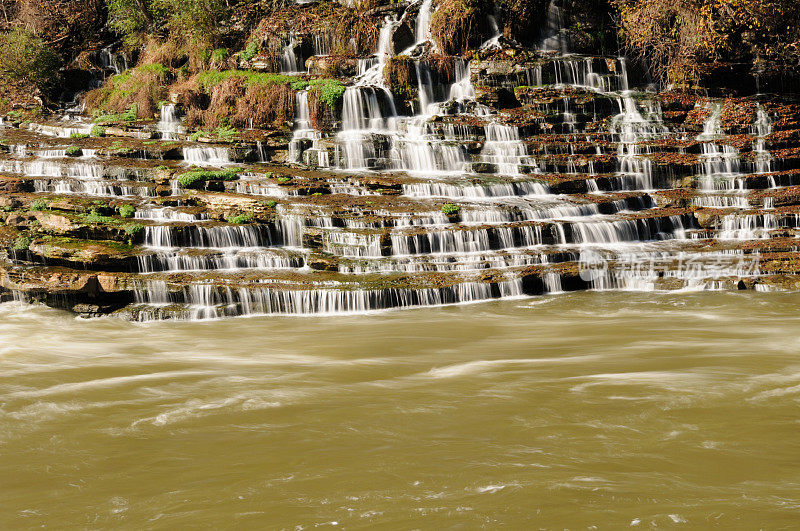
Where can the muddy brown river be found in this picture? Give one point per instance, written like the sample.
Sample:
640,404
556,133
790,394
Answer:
590,410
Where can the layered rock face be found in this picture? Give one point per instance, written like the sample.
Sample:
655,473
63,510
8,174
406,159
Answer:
518,172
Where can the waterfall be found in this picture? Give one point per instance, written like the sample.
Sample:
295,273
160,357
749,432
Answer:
304,133
719,165
67,131
630,127
110,60
206,155
762,128
463,89
177,236
169,124
553,38
422,31
747,227
291,61
373,75
167,214
712,128
204,301
505,150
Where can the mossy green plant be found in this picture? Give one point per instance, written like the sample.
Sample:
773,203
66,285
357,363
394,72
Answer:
240,219
22,243
211,78
133,229
251,49
73,151
128,116
39,205
126,211
193,179
219,55
96,217
449,209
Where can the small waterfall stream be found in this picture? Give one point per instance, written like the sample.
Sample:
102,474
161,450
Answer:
170,125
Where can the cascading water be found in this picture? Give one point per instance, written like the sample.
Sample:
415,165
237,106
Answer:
169,125
630,127
762,128
553,39
292,61
304,134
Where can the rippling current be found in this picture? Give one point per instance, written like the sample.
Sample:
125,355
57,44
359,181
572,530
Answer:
592,409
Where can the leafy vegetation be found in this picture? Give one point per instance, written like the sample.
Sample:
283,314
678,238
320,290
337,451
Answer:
105,117
132,229
193,179
94,216
327,91
211,78
73,151
126,211
22,243
449,209
136,19
239,219
26,59
39,205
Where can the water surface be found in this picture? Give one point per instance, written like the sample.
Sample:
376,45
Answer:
589,409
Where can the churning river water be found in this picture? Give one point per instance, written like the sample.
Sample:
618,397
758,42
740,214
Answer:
591,409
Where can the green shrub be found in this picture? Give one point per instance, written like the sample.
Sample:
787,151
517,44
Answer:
26,58
194,178
250,51
226,133
98,131
219,55
136,18
127,116
300,84
73,151
449,209
79,135
239,219
22,243
126,211
211,78
270,203
95,217
132,229
329,91
194,137
40,205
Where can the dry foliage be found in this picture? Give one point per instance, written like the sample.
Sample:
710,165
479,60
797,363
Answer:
443,67
679,37
400,71
458,25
